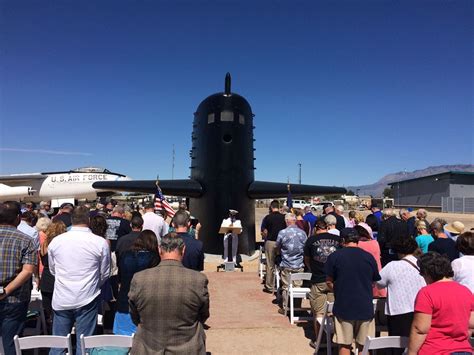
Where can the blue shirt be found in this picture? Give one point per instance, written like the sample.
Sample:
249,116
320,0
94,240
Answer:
311,219
378,215
291,242
423,241
353,271
193,257
132,262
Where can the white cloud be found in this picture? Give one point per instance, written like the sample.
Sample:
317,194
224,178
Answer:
43,151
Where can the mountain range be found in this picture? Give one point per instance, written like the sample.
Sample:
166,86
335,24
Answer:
376,189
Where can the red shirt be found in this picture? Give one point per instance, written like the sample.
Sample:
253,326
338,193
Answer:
450,305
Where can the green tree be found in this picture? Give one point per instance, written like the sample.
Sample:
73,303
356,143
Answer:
387,192
350,193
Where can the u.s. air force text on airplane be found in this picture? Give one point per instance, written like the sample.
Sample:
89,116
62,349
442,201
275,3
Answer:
73,184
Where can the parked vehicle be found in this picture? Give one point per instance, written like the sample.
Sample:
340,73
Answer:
300,204
318,207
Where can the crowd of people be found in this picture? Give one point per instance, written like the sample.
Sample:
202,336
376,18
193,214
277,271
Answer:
425,271
89,261
143,274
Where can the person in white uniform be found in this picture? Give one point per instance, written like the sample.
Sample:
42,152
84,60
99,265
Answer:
232,221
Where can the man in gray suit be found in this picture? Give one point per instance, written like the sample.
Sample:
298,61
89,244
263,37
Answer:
169,304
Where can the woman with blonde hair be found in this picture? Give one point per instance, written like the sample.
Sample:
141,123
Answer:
359,221
47,279
424,238
42,224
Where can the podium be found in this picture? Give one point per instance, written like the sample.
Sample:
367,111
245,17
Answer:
226,229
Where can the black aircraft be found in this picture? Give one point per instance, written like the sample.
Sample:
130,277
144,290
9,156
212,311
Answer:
222,171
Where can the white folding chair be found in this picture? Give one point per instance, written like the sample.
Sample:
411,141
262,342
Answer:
384,343
326,325
379,314
99,341
296,292
42,341
276,272
36,305
262,267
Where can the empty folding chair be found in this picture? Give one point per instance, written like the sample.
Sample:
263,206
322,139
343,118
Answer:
42,341
103,341
296,292
262,266
384,343
327,326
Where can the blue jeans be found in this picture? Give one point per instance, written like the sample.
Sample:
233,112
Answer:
12,321
85,319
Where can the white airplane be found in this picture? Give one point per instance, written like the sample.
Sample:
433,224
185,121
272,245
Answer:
73,184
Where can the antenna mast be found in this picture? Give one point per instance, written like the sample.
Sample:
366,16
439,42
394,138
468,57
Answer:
172,165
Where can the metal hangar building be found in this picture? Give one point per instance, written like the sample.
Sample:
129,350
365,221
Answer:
451,191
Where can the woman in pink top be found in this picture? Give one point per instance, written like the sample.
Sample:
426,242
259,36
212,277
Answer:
444,311
359,220
372,247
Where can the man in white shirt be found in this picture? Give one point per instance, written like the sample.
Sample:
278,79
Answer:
154,222
232,221
80,262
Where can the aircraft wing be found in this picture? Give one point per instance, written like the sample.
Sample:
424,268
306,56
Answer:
186,188
6,179
264,189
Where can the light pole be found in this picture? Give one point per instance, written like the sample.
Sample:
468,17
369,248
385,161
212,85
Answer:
299,174
172,165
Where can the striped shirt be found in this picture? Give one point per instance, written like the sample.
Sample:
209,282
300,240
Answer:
16,249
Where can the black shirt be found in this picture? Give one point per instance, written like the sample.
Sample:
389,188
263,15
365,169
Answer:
318,248
340,222
193,257
411,229
64,217
353,271
273,222
389,230
116,228
445,246
124,244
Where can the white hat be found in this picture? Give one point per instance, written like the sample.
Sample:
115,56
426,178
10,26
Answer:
455,227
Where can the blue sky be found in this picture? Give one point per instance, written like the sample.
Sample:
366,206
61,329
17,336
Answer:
351,89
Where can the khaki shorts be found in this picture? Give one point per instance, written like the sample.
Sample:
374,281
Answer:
318,297
348,330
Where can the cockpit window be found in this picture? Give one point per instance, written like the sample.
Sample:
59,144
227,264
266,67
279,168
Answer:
241,119
210,118
227,116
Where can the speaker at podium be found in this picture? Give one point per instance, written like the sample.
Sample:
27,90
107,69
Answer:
231,227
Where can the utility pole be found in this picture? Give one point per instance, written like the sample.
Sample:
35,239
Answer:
299,174
172,166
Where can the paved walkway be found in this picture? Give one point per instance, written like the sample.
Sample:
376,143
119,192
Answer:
244,320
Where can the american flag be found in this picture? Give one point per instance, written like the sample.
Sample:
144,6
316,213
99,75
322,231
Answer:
161,203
